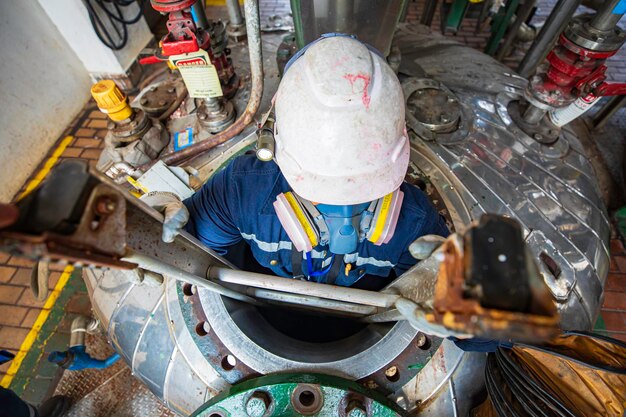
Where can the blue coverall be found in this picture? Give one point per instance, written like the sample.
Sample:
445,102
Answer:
237,203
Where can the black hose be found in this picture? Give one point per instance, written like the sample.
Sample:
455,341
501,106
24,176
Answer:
116,20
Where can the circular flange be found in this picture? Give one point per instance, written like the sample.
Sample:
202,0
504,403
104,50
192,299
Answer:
543,132
241,331
455,121
556,150
581,33
158,98
299,395
134,129
215,115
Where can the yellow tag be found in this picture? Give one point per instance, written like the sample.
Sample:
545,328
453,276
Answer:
199,75
136,184
302,218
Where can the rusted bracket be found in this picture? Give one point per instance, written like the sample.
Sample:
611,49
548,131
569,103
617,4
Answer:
489,284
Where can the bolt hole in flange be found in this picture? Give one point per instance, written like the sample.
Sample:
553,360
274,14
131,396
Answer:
203,328
229,362
307,399
189,289
392,373
422,341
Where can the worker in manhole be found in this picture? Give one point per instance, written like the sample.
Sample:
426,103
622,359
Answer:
325,200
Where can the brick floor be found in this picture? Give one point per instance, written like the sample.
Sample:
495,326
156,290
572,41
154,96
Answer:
19,310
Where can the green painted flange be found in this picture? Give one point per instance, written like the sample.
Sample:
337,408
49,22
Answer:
289,395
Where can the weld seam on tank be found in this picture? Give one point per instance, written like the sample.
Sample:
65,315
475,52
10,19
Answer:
143,331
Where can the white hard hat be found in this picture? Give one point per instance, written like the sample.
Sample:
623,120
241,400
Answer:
340,132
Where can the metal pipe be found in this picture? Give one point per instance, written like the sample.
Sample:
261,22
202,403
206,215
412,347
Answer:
605,20
533,115
429,12
253,27
234,12
309,301
522,14
607,111
199,15
331,292
558,19
343,11
152,264
78,331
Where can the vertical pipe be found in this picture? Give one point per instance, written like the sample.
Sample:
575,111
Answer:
78,331
607,111
429,12
561,14
343,11
605,20
234,12
199,15
533,115
522,14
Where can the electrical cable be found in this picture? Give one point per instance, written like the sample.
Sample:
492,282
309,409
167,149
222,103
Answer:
116,20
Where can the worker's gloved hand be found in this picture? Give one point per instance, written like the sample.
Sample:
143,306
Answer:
174,212
424,246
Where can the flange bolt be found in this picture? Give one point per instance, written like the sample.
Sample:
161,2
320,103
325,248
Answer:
258,404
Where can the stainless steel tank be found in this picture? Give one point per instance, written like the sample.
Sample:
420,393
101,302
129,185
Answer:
187,345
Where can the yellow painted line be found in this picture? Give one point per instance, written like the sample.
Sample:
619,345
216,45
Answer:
32,184
28,342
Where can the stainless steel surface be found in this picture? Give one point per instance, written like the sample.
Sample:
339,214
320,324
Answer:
146,326
446,385
255,342
551,190
605,19
554,25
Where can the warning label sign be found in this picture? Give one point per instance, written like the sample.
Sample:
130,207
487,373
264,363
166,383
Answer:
199,75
